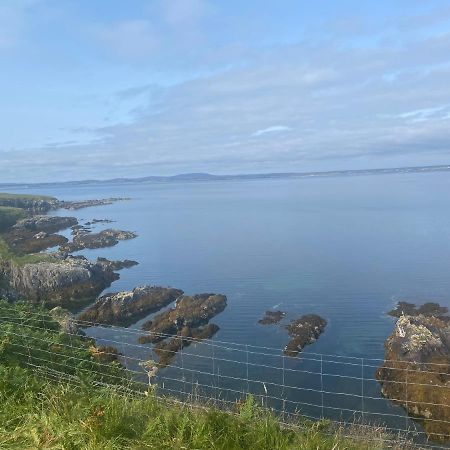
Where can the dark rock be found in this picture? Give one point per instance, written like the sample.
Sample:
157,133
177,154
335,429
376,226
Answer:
105,238
272,317
48,224
126,308
416,371
180,326
166,350
304,331
23,241
189,312
427,309
117,265
95,221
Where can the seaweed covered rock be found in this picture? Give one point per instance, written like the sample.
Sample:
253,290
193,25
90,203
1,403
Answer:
186,323
416,371
189,312
125,308
303,331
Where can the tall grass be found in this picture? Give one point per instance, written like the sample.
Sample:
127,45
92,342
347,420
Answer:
40,414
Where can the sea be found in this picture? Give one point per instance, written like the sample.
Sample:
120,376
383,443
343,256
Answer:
346,247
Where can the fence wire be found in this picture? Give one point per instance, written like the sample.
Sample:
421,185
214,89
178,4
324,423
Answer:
314,386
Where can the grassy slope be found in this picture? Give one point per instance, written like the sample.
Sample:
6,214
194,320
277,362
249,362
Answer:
8,196
42,415
9,216
38,413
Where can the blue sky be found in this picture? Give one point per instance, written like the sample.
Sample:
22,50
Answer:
105,88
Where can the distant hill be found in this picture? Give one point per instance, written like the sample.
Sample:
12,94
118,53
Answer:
258,176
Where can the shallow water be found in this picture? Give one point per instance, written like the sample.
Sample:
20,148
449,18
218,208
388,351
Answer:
346,248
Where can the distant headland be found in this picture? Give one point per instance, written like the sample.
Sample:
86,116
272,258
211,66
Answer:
195,177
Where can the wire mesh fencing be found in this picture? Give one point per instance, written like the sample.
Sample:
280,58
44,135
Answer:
342,389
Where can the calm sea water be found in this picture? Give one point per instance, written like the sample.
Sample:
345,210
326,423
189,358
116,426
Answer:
347,248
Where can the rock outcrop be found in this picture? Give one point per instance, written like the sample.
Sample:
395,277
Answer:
65,282
416,371
272,317
186,322
34,204
47,224
105,238
74,205
303,331
126,308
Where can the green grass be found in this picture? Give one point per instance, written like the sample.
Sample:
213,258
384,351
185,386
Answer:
9,216
6,253
41,414
37,412
8,196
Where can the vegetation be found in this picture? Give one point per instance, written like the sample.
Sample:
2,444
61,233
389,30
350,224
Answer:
7,254
9,216
40,414
30,336
8,196
37,412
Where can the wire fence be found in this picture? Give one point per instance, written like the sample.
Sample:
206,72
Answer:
342,389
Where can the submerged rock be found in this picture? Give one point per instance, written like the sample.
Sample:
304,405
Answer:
126,308
180,326
272,317
303,331
105,238
416,371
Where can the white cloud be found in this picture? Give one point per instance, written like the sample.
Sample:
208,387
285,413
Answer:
272,129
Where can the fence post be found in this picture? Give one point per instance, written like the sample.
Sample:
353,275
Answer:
406,399
321,387
362,389
248,382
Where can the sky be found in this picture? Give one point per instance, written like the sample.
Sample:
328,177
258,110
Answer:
110,88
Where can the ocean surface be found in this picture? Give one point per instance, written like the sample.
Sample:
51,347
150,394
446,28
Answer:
346,248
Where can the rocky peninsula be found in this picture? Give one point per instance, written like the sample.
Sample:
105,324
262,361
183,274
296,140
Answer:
51,278
59,278
416,371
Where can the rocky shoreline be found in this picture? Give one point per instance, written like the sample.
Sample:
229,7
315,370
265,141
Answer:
416,371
